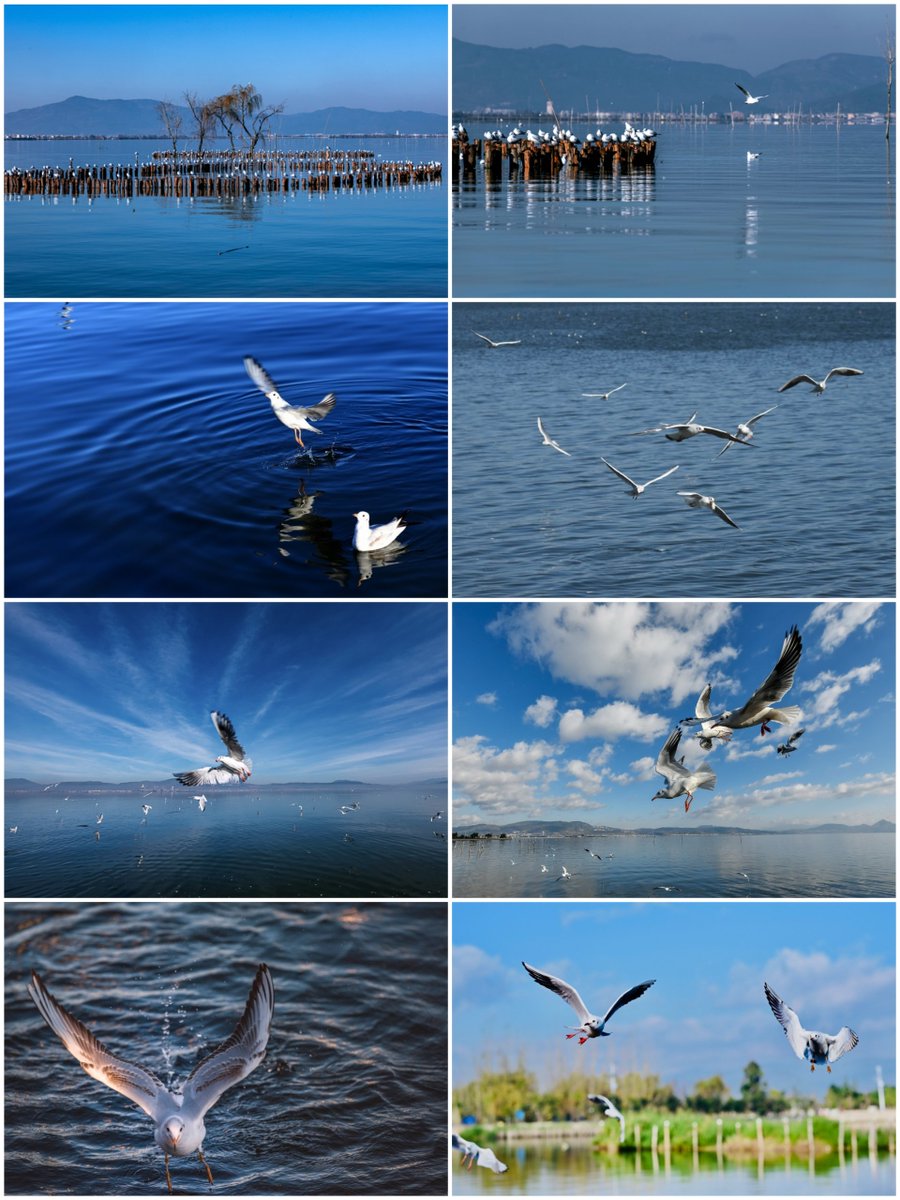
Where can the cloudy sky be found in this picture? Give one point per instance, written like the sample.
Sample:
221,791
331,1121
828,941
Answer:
755,37
559,711
123,692
834,964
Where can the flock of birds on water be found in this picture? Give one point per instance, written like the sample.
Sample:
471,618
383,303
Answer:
681,431
818,1049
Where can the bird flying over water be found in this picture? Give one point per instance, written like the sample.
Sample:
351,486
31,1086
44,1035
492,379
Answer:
637,488
610,1110
590,1026
376,537
745,429
296,417
680,432
750,99
235,765
472,1153
681,780
176,1113
495,345
807,1044
818,385
548,440
698,500
603,395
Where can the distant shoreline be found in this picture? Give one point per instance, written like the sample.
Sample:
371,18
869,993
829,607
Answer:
161,137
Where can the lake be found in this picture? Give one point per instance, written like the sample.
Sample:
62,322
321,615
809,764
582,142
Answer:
691,865
383,242
814,216
813,496
294,842
358,1044
152,466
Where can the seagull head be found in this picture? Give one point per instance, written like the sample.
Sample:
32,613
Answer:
172,1131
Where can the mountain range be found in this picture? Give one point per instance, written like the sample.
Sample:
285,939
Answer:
589,78
82,116
95,786
583,829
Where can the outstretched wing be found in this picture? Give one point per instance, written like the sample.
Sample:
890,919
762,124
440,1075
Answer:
740,87
627,997
140,1086
225,730
759,416
205,776
723,433
561,988
665,760
621,474
262,379
789,1021
664,475
720,512
843,1041
702,710
799,379
315,412
240,1053
842,371
796,736
779,680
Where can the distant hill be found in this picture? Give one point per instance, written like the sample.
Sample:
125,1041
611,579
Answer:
81,116
95,786
486,77
582,829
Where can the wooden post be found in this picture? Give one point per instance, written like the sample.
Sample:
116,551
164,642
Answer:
841,1138
695,1145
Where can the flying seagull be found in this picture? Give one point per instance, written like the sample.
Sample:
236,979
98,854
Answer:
750,99
789,746
494,345
603,395
590,1026
680,432
745,429
297,416
233,765
145,808
548,440
818,385
681,780
177,1114
472,1153
758,709
376,537
637,488
610,1110
565,875
698,500
805,1043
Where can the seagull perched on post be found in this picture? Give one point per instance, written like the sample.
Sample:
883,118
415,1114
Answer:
750,99
296,417
805,1043
177,1113
235,765
590,1026
680,780
818,385
637,488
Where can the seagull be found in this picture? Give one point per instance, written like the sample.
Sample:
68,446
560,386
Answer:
698,500
177,1114
637,488
296,417
201,802
814,1047
145,808
437,816
758,709
481,1155
745,429
565,875
543,867
681,780
610,1110
688,429
376,537
100,819
587,850
548,440
750,99
603,395
590,1026
233,765
818,385
752,155
494,345
665,887
789,747
14,828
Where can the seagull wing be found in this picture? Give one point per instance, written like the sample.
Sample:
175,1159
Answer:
666,757
315,412
140,1086
842,371
799,379
561,988
655,429
626,997
604,1101
842,1042
720,512
487,1158
262,379
740,87
239,1054
789,1021
621,474
759,416
484,339
616,389
225,730
779,680
659,477
723,433
796,736
701,708
205,775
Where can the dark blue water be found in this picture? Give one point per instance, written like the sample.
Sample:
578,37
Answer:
814,216
814,497
294,842
728,866
385,242
350,1099
142,461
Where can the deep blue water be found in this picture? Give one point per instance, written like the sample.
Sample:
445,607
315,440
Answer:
814,496
729,866
814,216
142,461
377,243
357,1051
294,842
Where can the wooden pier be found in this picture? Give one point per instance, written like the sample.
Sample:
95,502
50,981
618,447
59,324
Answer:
546,160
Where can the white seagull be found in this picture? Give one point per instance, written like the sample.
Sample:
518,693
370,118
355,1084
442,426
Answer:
637,488
805,1043
752,155
296,417
376,537
590,1026
688,429
745,429
437,816
472,1153
750,99
494,345
233,765
789,746
201,802
698,500
145,808
604,395
565,875
610,1110
681,780
818,385
548,440
178,1113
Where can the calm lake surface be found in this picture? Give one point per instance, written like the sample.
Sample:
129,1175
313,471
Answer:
244,844
385,242
358,1044
690,865
575,1170
814,496
814,216
152,466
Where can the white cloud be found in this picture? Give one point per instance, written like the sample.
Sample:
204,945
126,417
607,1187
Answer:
611,722
825,749
542,712
502,781
584,776
828,687
839,621
487,698
644,769
780,777
730,806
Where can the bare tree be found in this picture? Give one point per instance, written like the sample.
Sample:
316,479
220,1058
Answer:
172,122
204,118
247,110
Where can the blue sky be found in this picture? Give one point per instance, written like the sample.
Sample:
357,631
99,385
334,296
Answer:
123,692
560,709
373,56
754,37
834,964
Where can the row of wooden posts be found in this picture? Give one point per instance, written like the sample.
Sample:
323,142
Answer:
545,160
